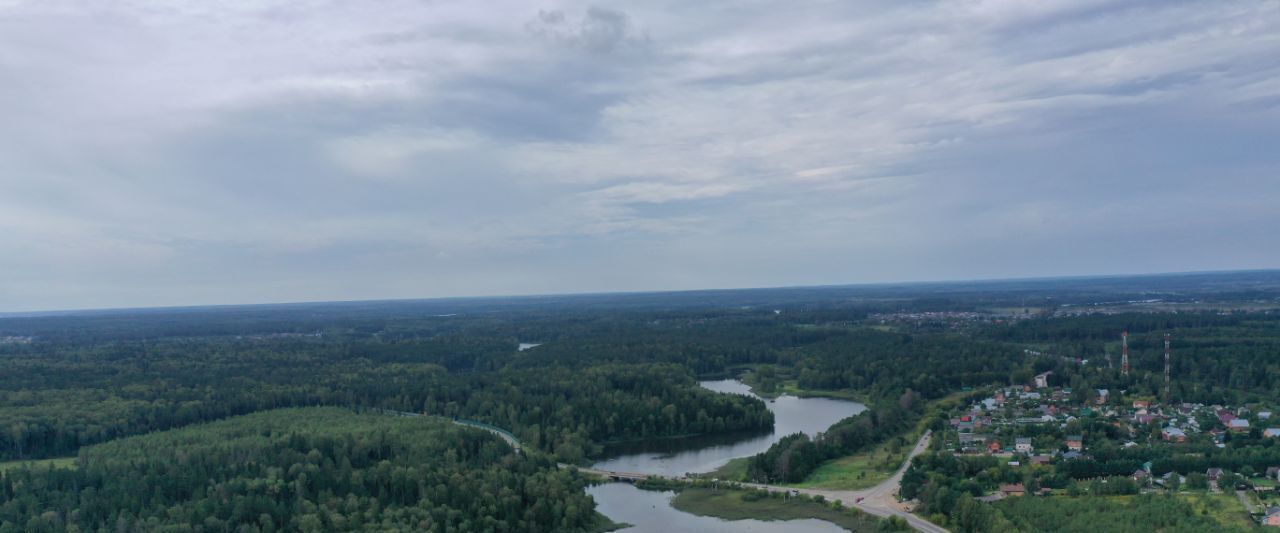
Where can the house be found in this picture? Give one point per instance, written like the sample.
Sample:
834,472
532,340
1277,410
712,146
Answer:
1238,425
1141,404
1173,434
1023,445
1141,476
972,441
1165,479
1103,396
1273,472
1272,517
1040,459
1015,489
1213,474
1042,380
1271,432
1264,415
1226,416
1072,455
1075,442
993,446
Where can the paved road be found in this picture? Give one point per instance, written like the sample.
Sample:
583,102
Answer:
511,439
880,500
506,436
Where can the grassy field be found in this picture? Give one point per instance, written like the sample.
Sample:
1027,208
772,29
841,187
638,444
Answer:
735,470
867,469
789,387
57,462
854,472
857,471
1224,508
730,505
1192,512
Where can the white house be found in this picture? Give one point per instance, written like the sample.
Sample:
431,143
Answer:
1042,380
1022,445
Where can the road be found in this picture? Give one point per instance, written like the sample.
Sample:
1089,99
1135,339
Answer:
880,500
505,435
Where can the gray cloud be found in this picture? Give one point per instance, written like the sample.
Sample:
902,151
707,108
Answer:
217,153
598,30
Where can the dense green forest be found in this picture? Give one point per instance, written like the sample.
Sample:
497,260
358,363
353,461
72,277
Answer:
306,469
569,412
612,368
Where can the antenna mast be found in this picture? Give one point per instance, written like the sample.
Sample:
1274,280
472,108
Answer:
1124,352
1166,368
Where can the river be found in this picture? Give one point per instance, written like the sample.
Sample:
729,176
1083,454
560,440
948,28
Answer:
652,511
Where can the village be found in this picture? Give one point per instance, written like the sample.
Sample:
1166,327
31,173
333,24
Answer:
1073,441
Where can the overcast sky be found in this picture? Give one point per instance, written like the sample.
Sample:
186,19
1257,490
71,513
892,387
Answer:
162,152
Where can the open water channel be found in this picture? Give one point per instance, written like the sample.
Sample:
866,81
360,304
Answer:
651,511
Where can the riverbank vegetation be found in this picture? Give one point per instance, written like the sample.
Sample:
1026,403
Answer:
744,504
732,501
794,457
868,468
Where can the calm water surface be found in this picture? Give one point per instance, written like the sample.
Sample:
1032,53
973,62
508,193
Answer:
651,512
704,454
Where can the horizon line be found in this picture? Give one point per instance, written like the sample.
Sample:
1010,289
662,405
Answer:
92,310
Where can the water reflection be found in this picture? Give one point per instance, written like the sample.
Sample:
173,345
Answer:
702,454
651,512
